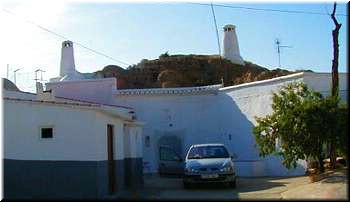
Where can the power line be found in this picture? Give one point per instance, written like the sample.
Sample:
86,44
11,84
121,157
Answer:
66,38
265,9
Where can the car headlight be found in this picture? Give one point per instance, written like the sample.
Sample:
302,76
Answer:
191,170
228,168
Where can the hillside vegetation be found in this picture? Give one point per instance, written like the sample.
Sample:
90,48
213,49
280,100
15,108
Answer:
185,71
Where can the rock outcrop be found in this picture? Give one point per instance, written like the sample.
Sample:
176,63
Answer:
187,70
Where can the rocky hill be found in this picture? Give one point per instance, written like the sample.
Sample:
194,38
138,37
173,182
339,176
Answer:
185,71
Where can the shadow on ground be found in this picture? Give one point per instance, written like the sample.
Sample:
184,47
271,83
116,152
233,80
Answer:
243,183
171,187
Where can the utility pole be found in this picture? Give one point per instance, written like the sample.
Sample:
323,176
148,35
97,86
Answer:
14,75
216,28
279,46
219,48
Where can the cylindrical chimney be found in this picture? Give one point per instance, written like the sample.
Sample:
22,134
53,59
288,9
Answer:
67,59
230,45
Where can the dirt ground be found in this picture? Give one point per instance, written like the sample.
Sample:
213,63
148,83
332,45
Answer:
332,187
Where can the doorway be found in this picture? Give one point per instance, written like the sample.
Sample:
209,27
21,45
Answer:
170,160
111,163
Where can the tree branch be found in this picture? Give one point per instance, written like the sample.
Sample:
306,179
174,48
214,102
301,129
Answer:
337,25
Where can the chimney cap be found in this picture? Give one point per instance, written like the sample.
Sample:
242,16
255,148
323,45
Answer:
67,43
229,26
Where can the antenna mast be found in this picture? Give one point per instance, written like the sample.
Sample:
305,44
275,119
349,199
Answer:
279,46
41,74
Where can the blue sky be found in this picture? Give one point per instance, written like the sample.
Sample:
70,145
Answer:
131,32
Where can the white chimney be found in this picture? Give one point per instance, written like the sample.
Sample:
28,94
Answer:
67,59
67,68
230,45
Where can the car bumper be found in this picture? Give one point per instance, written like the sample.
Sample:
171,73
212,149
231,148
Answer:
222,178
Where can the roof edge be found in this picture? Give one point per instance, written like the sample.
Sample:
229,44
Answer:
180,90
255,83
83,81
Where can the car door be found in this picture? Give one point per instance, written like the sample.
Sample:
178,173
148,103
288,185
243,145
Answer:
169,161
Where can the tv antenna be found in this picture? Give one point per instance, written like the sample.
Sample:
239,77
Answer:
14,74
279,46
41,74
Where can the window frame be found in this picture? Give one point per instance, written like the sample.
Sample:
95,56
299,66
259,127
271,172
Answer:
43,127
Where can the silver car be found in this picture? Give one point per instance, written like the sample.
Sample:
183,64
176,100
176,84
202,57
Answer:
208,163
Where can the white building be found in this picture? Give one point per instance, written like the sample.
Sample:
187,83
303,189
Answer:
56,147
216,115
178,117
193,115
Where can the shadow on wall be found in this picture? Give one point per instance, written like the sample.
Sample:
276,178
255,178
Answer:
235,122
237,135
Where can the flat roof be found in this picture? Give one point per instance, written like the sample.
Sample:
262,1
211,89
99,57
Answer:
103,108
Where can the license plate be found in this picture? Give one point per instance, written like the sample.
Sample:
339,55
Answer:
210,176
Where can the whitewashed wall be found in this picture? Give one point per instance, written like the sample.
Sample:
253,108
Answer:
249,101
101,121
322,82
226,118
205,119
80,134
95,90
132,141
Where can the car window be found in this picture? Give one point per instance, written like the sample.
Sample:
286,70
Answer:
208,152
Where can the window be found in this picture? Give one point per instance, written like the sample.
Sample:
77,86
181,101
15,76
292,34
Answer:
46,133
201,152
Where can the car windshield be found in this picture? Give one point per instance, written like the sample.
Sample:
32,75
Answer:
202,152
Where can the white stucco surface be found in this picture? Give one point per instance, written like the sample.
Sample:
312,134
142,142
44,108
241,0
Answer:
79,132
96,90
226,117
194,116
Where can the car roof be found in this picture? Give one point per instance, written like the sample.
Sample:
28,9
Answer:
203,145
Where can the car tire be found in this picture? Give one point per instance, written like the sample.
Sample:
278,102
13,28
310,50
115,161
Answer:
233,184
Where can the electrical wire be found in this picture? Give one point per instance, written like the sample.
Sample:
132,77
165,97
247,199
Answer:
66,38
265,9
